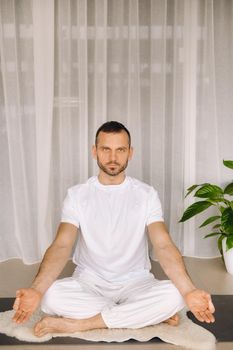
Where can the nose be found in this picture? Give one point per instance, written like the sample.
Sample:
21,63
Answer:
113,156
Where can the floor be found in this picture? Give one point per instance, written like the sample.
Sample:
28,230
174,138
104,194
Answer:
208,274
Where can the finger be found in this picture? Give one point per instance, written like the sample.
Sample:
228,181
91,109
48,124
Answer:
210,316
211,306
17,299
198,316
19,293
16,304
16,316
24,317
205,317
21,316
210,303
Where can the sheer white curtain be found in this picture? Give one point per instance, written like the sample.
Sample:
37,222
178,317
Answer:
163,68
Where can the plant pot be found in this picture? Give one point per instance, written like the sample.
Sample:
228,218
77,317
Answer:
228,257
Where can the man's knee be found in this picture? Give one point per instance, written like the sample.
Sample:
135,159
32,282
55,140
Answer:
50,301
176,299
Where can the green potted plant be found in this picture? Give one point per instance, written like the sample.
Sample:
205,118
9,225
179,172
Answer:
222,198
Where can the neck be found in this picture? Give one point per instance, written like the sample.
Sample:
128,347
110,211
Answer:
106,179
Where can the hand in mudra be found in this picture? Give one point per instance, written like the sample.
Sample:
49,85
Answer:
200,304
26,302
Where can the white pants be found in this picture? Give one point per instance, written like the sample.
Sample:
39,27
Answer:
133,304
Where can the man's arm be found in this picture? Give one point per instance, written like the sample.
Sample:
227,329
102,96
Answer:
170,259
56,256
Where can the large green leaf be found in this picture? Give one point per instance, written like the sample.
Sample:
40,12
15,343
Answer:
227,220
228,163
229,189
192,188
195,209
231,205
212,234
209,220
209,191
229,243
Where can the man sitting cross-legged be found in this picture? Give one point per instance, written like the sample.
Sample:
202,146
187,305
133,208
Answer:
108,221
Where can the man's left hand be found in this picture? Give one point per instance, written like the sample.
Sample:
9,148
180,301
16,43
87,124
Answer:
200,304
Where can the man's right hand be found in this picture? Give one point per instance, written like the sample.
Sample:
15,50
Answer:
26,302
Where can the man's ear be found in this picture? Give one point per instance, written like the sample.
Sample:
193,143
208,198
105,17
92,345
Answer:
131,153
94,152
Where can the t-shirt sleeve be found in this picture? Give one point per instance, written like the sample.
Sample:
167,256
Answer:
69,210
155,212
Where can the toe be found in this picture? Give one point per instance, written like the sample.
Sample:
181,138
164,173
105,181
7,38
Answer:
37,329
173,320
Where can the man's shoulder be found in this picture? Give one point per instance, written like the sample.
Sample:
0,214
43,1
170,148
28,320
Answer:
81,186
140,185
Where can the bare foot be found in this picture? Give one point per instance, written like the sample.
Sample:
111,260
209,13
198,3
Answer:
50,324
173,321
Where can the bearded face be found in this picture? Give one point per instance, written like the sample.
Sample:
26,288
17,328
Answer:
112,152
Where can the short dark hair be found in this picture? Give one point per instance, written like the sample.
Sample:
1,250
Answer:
112,127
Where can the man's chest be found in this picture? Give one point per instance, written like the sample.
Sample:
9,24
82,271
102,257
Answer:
113,210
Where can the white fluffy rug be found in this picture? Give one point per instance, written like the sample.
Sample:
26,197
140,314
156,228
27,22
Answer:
187,334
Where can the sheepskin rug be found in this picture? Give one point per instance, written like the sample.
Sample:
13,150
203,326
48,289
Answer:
187,334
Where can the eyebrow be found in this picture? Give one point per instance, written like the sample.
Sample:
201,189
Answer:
121,147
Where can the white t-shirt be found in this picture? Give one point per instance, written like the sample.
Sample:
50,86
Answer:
112,220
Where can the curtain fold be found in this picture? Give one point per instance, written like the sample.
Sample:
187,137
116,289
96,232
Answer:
18,192
163,68
43,55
